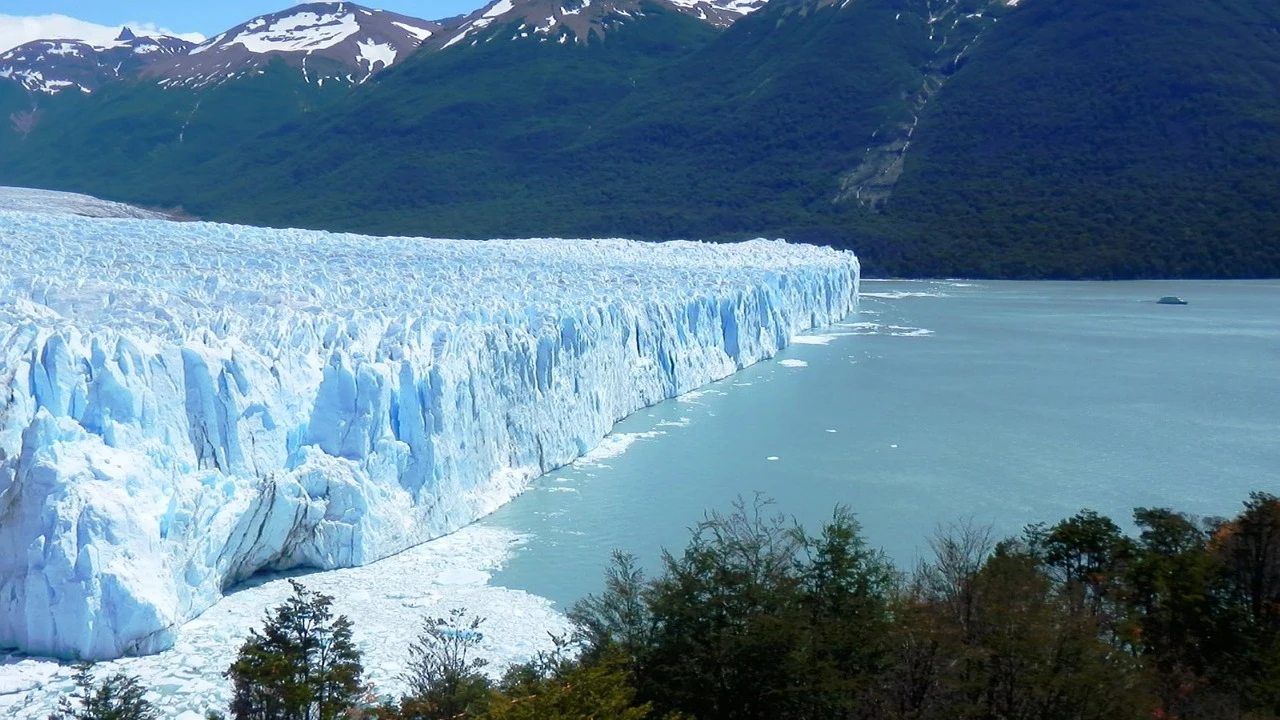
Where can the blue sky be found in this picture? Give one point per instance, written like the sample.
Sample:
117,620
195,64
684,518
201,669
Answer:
206,18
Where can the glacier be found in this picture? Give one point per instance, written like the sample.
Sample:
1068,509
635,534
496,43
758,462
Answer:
185,405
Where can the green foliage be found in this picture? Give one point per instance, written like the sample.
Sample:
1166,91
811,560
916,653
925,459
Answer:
617,621
576,691
302,666
757,618
1093,138
119,697
1074,621
444,679
1248,548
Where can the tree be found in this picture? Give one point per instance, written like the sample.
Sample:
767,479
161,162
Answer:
756,618
844,589
959,552
445,680
1171,592
1249,549
1250,545
302,666
119,697
1086,555
616,621
575,692
728,626
1030,654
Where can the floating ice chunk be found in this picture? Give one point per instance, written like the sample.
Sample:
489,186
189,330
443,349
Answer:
813,339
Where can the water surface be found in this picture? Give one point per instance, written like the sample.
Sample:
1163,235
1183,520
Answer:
1008,403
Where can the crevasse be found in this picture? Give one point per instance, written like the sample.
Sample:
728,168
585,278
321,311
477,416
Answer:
183,405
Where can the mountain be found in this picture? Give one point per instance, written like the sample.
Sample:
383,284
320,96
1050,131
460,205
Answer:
986,138
336,41
740,133
579,20
326,41
1100,138
51,66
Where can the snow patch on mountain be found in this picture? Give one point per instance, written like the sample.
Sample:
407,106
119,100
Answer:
304,31
582,20
17,30
501,7
325,41
420,33
375,56
183,405
50,66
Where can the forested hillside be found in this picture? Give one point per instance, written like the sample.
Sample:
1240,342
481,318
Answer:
1104,138
1051,139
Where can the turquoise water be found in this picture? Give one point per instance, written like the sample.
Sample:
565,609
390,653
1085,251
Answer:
1007,403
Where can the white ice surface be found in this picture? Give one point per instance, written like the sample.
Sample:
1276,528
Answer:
813,339
183,405
387,601
871,328
63,203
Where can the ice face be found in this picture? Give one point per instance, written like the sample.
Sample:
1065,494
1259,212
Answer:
183,405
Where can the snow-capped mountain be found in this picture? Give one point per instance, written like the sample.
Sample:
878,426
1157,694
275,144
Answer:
565,20
51,66
326,40
721,13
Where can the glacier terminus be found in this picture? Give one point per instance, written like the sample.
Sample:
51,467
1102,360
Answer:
183,405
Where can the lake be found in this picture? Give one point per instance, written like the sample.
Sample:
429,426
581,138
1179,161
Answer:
1007,403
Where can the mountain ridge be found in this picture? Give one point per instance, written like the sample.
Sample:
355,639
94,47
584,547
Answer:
1042,139
54,65
330,40
349,42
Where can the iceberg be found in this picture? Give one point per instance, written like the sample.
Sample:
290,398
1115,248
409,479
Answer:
184,405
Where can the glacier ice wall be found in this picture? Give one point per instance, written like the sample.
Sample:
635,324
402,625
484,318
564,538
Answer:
183,405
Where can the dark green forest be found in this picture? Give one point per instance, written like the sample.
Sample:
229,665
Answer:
1054,139
1105,139
757,618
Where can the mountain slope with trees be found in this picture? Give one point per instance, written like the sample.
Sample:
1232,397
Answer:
1104,138
1049,139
